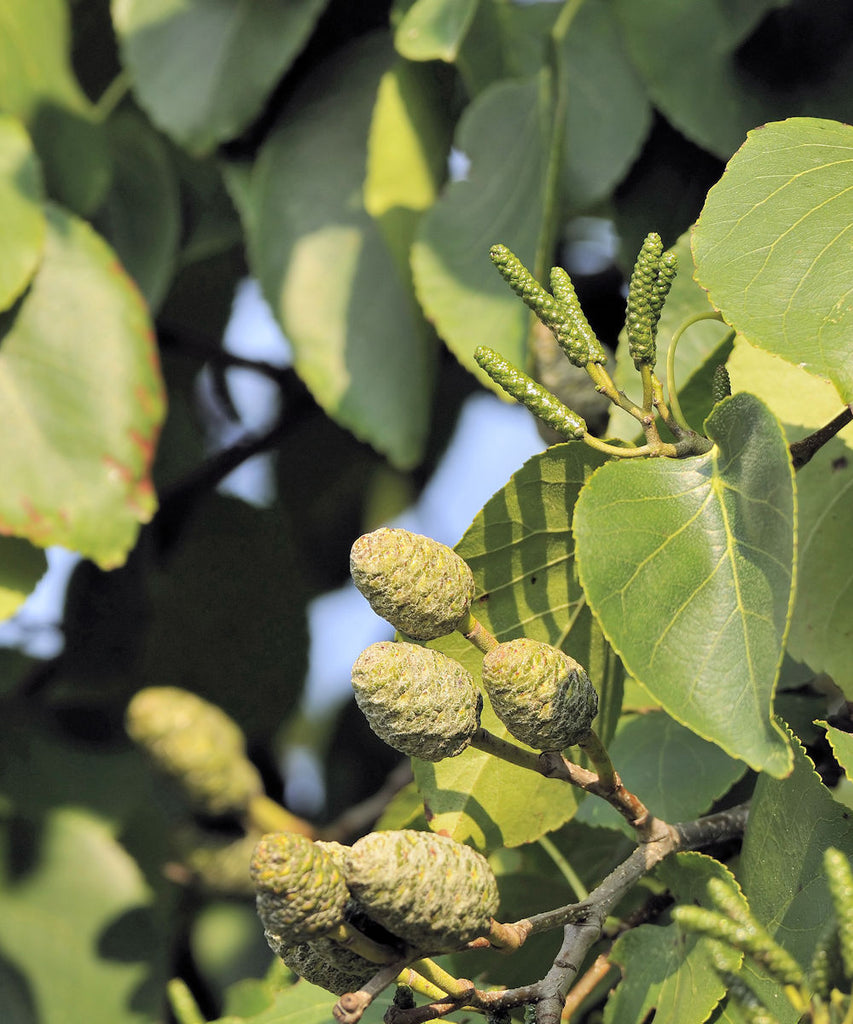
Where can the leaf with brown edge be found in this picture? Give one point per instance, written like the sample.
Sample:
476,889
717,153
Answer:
83,401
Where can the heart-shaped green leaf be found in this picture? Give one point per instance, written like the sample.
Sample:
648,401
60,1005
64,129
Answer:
81,387
521,553
688,565
772,245
22,226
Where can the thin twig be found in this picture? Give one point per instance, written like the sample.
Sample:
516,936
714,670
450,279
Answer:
802,451
584,921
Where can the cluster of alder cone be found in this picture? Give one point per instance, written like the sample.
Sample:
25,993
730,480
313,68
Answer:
357,919
333,912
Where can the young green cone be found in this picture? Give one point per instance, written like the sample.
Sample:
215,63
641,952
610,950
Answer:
542,696
419,701
432,892
196,744
421,587
300,890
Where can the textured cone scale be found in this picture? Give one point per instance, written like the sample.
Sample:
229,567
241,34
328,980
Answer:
300,890
542,696
325,964
421,587
429,890
196,744
419,701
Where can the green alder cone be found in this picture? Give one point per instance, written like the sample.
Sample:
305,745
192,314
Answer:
417,700
432,892
543,696
300,890
421,587
324,963
196,744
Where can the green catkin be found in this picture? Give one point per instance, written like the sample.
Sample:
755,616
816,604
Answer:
564,292
667,270
840,879
729,902
750,939
532,395
826,971
562,316
721,385
640,319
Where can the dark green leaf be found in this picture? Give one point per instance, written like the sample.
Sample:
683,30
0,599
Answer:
228,617
202,69
505,133
325,269
688,564
21,567
607,113
791,822
22,223
141,214
667,969
80,381
772,250
75,922
673,771
764,63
